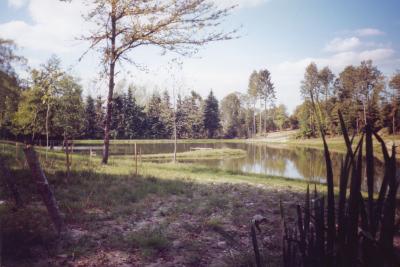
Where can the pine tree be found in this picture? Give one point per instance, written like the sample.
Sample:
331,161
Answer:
117,117
129,114
135,117
99,109
90,118
211,118
156,127
167,115
181,119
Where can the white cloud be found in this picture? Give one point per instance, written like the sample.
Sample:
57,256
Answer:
342,44
55,26
369,32
17,3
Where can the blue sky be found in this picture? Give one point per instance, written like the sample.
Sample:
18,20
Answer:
281,35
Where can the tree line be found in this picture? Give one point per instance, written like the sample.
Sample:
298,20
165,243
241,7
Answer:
362,93
49,105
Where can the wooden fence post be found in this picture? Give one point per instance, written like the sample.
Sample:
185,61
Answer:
136,171
43,188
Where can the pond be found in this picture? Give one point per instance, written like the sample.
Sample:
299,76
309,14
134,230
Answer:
267,159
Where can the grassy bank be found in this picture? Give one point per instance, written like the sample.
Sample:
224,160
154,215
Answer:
198,154
169,214
337,144
158,141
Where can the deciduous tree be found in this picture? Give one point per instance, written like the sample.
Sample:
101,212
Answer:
180,26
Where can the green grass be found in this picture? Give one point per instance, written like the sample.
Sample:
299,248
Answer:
337,144
157,141
95,193
150,239
197,154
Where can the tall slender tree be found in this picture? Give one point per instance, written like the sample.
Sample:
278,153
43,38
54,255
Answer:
180,26
252,91
266,91
395,99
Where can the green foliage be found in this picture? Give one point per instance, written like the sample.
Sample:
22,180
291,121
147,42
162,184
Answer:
355,231
69,118
230,120
157,126
90,118
10,89
211,118
357,91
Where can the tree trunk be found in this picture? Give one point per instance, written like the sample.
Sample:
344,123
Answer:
265,115
254,118
47,127
175,138
260,116
67,154
43,188
110,87
10,183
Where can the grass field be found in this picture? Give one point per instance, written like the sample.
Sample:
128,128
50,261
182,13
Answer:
171,214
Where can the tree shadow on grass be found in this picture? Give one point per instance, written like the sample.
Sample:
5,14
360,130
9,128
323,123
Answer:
141,216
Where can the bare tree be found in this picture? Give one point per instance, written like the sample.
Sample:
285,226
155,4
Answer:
180,26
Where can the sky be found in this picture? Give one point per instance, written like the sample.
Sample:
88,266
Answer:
283,36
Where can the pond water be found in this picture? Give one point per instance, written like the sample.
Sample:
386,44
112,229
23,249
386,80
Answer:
279,160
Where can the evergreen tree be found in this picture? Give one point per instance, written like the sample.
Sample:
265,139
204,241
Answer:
156,127
129,110
135,117
193,107
211,118
182,127
167,114
90,118
99,109
117,117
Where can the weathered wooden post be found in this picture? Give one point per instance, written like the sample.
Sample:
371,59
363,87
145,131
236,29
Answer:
67,158
43,188
136,171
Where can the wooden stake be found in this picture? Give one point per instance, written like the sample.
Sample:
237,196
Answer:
43,187
136,160
67,158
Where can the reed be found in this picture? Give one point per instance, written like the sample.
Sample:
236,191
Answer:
352,230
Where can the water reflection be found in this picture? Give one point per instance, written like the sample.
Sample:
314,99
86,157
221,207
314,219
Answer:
279,160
